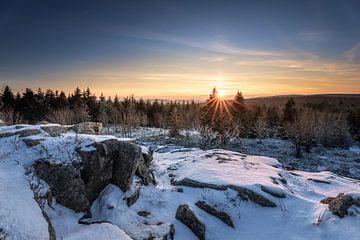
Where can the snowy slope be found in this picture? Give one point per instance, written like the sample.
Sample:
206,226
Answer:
295,217
20,215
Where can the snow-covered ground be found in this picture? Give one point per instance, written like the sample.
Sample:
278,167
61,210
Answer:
299,215
345,162
295,217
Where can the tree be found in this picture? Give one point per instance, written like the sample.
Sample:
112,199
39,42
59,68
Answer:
273,121
289,112
7,99
174,123
354,123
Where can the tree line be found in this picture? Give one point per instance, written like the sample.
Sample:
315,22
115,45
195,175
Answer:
218,121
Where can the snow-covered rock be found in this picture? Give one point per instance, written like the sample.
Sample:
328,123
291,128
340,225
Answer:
88,128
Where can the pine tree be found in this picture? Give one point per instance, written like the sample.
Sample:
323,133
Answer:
7,99
290,112
174,123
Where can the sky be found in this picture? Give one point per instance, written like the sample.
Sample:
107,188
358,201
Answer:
181,49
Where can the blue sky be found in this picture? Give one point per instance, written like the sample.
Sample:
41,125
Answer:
181,49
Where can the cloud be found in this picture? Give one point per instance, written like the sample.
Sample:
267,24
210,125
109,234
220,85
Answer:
214,59
351,54
313,36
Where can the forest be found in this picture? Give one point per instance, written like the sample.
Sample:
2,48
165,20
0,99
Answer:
218,121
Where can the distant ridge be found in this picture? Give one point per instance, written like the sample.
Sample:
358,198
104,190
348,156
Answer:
343,100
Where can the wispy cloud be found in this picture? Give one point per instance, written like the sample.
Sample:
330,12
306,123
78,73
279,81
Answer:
313,35
351,54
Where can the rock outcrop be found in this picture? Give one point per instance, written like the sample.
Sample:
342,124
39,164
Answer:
110,161
65,183
340,204
244,193
185,215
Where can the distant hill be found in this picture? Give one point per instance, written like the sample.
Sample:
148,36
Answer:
340,100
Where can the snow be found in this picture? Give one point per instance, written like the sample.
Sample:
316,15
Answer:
20,216
98,231
355,149
295,217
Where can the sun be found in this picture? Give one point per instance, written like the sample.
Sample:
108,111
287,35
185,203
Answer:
221,93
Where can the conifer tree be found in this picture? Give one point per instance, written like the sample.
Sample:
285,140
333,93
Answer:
174,123
7,98
289,114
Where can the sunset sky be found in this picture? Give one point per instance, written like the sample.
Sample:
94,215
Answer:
181,49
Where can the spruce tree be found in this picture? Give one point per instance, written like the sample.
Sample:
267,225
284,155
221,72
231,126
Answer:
7,98
290,112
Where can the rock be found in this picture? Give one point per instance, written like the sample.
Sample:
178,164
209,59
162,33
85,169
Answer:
247,194
339,205
93,128
22,133
185,215
113,161
97,168
144,173
2,123
143,213
172,232
133,198
32,142
147,159
195,184
65,184
28,132
223,216
3,234
319,180
244,193
273,192
54,131
126,161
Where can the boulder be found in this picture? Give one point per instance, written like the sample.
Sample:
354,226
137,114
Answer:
112,161
126,162
223,216
97,169
55,131
93,128
2,123
185,215
65,183
340,204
